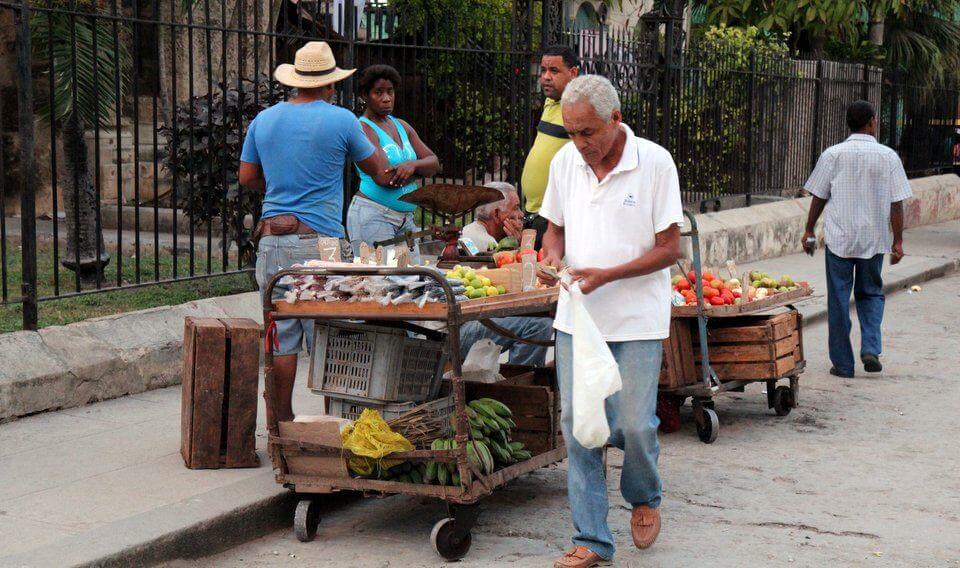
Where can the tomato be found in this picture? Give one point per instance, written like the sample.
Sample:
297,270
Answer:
717,283
708,277
503,258
716,301
524,252
683,284
692,276
737,294
540,255
709,292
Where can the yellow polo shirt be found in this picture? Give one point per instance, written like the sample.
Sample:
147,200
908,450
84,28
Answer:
550,138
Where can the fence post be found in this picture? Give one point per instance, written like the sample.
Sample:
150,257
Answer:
350,33
818,94
28,217
751,90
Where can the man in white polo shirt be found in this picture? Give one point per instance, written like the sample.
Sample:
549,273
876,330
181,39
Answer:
613,203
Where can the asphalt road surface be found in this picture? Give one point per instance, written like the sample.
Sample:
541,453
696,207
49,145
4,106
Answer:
864,473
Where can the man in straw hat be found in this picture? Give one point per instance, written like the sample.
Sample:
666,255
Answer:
295,152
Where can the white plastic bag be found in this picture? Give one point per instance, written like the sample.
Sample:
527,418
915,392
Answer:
482,364
596,376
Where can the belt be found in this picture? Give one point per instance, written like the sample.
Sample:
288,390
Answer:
281,226
301,230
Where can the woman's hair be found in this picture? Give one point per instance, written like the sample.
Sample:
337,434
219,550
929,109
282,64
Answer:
374,73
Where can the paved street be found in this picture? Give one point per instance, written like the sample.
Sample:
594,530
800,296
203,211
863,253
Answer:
862,474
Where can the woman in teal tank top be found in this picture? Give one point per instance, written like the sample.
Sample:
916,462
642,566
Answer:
376,212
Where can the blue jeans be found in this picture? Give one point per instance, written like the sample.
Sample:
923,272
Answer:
520,353
369,222
632,415
274,253
862,276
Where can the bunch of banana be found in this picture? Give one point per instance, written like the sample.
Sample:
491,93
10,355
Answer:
478,456
405,472
490,446
491,421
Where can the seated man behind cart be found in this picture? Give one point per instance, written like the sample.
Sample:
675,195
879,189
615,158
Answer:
296,152
494,222
498,220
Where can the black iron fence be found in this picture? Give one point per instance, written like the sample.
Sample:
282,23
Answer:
121,121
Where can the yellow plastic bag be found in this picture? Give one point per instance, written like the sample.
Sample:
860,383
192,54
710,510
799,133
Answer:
371,439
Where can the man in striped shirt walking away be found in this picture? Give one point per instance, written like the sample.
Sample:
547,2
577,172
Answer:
862,185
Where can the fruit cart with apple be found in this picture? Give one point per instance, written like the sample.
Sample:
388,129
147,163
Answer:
727,334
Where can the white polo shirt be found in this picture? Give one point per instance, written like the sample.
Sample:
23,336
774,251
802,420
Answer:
610,222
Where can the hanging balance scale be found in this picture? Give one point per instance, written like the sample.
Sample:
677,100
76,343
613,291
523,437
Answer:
449,201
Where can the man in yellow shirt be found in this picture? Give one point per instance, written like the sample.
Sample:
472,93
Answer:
558,66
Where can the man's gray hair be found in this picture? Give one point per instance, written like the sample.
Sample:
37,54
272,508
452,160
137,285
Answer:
596,90
484,211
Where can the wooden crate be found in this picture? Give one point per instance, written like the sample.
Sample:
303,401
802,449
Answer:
678,368
221,364
753,347
535,406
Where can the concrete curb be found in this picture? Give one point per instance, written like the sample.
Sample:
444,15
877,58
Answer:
201,525
102,358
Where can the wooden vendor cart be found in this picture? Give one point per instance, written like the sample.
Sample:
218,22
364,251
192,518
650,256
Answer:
451,537
744,344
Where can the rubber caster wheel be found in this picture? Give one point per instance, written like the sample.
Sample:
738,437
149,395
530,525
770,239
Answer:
708,426
450,543
306,519
783,400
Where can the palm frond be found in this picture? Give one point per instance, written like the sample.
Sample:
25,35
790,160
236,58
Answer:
89,61
924,47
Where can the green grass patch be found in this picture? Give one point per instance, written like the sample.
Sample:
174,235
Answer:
69,310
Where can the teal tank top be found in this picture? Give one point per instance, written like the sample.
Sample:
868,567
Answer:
390,196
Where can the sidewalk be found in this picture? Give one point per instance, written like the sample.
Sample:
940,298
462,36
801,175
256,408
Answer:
105,484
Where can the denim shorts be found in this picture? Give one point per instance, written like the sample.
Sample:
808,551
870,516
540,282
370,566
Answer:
275,253
370,222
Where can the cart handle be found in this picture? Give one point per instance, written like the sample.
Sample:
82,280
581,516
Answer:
708,376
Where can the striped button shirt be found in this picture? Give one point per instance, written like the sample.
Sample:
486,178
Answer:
859,178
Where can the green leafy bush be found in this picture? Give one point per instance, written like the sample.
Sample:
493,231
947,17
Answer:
203,154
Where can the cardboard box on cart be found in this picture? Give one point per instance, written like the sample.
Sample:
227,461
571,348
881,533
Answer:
315,430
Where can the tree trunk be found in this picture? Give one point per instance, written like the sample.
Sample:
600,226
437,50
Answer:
875,33
818,46
79,206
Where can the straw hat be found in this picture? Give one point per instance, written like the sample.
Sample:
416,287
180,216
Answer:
314,66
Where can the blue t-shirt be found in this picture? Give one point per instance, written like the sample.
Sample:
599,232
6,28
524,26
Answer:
302,149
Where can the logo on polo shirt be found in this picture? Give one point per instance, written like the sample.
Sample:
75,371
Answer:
630,200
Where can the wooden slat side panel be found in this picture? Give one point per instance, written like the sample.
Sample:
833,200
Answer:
186,393
738,334
209,365
734,371
687,364
750,352
244,337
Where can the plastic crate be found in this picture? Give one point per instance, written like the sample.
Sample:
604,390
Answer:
375,362
351,408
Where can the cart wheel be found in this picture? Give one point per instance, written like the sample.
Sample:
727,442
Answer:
708,425
305,520
783,401
447,542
